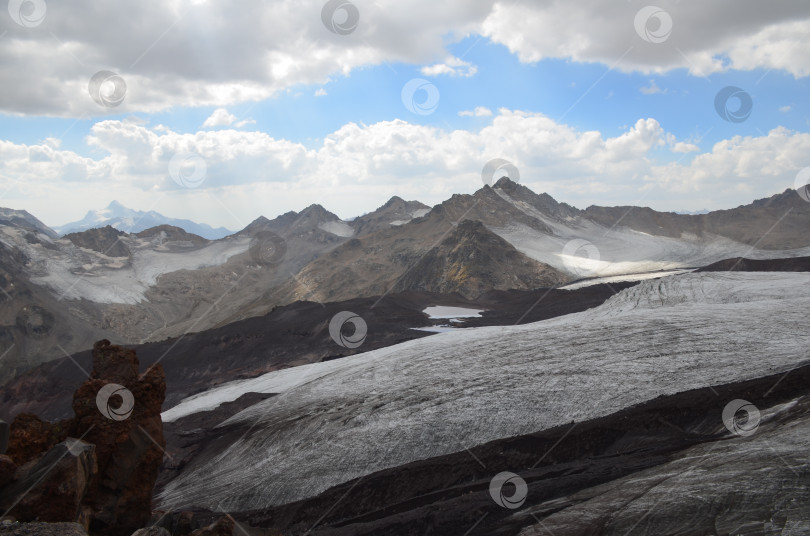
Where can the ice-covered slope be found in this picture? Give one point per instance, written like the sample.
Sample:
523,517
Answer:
442,394
76,273
619,250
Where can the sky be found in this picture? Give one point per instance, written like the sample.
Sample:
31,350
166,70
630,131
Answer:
220,112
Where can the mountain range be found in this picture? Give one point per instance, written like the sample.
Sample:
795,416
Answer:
164,281
590,354
128,220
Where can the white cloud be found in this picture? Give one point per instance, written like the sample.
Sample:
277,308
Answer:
480,111
452,66
222,118
706,37
652,89
785,109
187,53
321,92
358,167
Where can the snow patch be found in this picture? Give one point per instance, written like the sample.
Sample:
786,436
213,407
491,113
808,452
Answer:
442,311
337,227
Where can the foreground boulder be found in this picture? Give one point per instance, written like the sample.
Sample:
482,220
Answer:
59,480
104,478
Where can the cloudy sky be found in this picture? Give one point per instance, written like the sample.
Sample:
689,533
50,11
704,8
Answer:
223,111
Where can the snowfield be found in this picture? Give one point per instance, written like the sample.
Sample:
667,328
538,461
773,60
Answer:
76,273
621,251
342,419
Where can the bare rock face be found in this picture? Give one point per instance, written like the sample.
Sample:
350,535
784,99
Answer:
42,529
52,487
119,412
7,470
223,527
3,436
30,437
104,479
152,531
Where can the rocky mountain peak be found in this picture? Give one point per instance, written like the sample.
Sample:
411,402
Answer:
105,240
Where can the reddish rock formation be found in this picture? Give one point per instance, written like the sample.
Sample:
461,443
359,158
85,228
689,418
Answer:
116,411
129,446
52,487
30,437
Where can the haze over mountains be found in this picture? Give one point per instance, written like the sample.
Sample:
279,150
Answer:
134,221
166,281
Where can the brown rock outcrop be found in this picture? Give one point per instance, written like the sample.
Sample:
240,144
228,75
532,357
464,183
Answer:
117,416
126,427
52,487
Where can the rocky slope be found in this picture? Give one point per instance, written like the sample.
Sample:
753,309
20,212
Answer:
288,336
472,260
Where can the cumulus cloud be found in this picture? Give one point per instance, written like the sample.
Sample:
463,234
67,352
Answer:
452,66
191,53
652,89
222,118
479,111
705,38
358,167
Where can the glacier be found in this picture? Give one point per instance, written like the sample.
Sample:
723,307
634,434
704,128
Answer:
340,420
